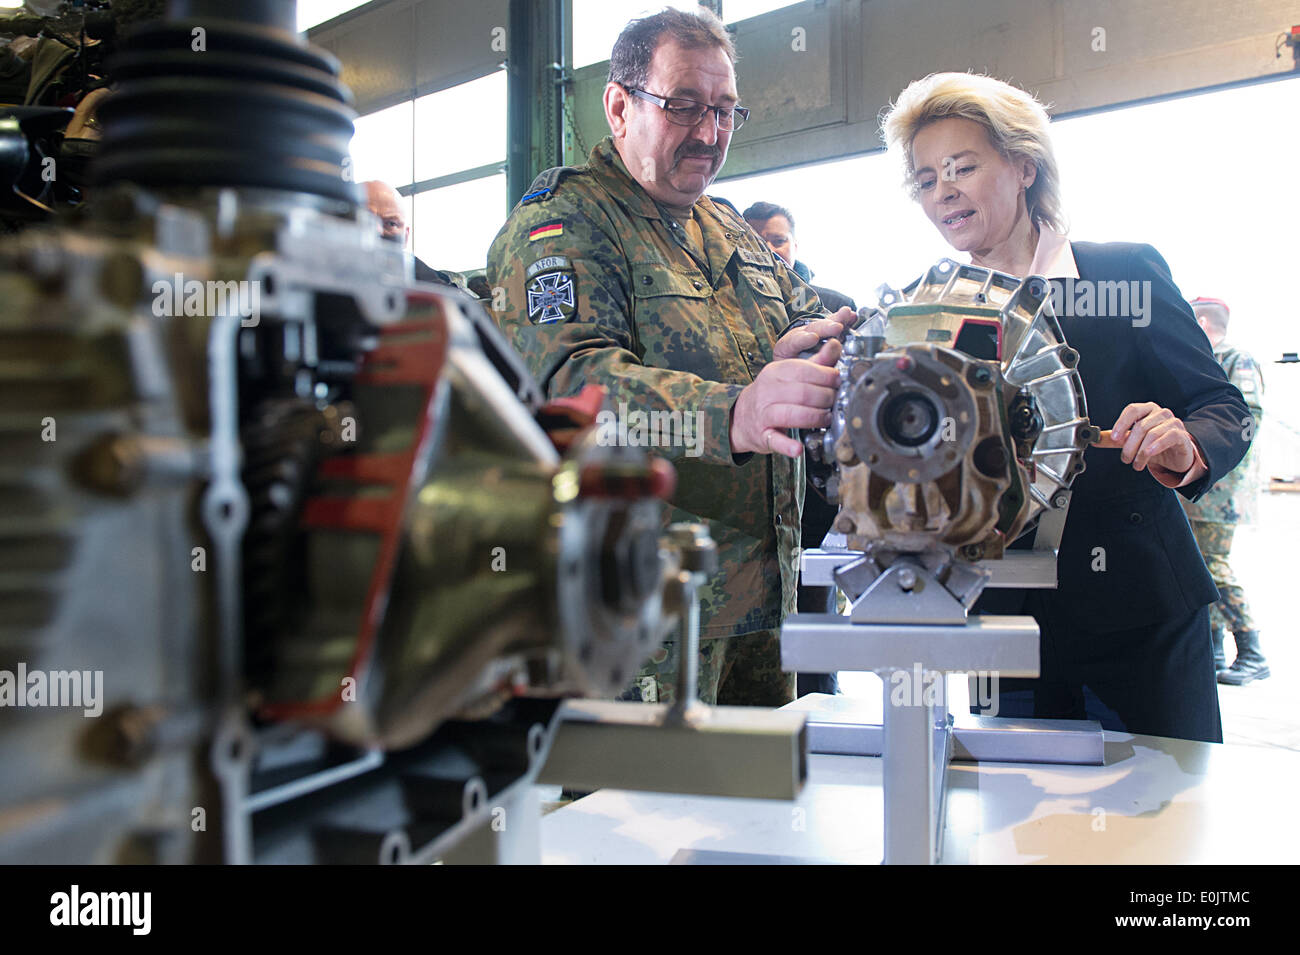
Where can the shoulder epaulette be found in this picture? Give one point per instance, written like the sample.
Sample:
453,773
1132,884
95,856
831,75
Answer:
724,202
546,182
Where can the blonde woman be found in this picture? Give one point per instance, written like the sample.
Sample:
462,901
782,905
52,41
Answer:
1126,635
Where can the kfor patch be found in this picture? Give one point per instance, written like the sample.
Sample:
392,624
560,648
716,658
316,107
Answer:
551,295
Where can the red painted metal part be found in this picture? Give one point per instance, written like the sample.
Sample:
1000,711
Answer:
656,478
565,419
411,352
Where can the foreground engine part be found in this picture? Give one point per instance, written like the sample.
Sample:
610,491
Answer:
295,516
957,425
490,567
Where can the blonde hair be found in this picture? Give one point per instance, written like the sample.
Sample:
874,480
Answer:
1017,126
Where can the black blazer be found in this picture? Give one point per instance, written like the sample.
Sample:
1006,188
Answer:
832,300
1153,569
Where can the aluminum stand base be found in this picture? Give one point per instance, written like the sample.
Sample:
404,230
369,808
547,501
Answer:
916,736
975,739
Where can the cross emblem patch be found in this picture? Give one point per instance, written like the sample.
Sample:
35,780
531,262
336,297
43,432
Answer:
550,297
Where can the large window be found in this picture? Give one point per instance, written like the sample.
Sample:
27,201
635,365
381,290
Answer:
855,226
456,224
461,128
384,145
597,24
733,11
446,152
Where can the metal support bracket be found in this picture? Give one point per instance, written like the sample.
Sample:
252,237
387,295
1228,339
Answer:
737,751
917,737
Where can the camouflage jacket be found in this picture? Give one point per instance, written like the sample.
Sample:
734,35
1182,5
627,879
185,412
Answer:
593,281
1235,499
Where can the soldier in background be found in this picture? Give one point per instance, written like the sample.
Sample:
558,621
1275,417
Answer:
383,201
621,272
776,225
1232,501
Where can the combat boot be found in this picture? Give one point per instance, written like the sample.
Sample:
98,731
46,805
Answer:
1220,660
1250,663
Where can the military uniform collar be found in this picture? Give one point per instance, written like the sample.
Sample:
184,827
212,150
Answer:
611,172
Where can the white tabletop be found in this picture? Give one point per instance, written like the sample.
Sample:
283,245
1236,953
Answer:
1156,800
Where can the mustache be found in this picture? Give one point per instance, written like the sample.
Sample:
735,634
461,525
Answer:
691,150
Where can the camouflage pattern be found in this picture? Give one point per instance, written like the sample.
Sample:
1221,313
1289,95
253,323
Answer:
1232,611
1235,499
594,282
744,670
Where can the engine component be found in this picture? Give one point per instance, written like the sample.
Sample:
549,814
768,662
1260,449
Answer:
299,513
956,426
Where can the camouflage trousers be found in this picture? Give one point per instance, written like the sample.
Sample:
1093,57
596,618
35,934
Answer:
744,670
1232,612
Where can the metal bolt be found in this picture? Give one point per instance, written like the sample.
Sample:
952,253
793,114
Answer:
699,552
907,579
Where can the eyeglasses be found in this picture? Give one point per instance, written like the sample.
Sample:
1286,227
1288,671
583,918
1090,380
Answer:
685,112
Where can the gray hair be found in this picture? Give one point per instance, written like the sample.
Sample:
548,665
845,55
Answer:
629,63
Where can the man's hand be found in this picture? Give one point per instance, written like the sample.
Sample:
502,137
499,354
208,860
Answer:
801,339
1151,437
788,393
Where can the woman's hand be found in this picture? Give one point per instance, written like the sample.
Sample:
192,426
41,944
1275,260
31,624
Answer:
1152,438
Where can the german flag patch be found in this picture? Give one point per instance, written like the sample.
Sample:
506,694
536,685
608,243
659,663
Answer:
548,231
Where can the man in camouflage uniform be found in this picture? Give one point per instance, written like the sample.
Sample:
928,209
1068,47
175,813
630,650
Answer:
622,273
1231,502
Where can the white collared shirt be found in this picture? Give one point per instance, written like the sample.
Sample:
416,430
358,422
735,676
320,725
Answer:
1053,258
